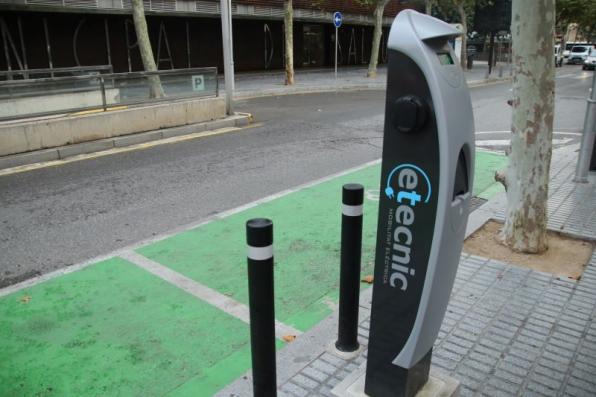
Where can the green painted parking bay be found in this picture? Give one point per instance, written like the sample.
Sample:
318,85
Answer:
306,234
114,329
306,249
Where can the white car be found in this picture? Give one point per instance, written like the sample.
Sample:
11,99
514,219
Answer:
578,54
590,62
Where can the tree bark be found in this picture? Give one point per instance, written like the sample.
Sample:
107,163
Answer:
527,177
289,33
138,14
491,52
376,43
464,37
428,6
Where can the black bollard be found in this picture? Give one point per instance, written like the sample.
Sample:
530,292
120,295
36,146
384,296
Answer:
259,237
349,284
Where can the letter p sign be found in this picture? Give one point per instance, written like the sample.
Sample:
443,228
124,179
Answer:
198,83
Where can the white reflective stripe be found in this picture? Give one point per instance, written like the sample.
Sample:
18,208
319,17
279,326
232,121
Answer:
352,210
260,253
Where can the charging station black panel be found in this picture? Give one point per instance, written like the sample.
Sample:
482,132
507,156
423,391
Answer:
407,213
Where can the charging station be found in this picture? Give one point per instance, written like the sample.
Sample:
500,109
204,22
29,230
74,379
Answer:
426,188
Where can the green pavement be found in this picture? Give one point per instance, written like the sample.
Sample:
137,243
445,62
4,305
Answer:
114,329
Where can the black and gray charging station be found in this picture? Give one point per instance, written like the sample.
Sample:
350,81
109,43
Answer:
426,188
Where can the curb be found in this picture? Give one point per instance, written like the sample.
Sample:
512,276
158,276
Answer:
64,152
308,90
379,85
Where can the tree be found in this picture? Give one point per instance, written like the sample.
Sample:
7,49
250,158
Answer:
428,6
138,14
289,34
379,10
461,6
527,175
582,12
462,11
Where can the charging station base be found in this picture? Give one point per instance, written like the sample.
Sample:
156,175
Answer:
438,385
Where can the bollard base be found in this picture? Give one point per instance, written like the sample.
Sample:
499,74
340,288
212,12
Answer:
344,355
438,385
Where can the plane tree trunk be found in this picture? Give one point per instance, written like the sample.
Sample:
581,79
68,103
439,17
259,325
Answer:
428,7
527,175
289,36
376,43
138,14
464,37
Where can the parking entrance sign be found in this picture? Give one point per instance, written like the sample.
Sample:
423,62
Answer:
198,83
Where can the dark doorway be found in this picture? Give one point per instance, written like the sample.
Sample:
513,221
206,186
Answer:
313,51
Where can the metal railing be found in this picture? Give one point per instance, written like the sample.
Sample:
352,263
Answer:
27,74
62,95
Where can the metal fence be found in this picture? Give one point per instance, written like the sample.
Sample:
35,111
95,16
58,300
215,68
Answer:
27,74
62,95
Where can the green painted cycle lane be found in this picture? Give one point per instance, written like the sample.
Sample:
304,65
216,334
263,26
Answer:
487,163
113,329
306,234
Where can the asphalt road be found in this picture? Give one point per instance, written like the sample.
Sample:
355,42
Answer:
58,216
493,115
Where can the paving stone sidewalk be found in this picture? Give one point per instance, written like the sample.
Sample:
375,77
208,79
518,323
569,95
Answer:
508,331
349,78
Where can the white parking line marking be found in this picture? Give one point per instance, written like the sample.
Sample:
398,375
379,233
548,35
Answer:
214,298
506,142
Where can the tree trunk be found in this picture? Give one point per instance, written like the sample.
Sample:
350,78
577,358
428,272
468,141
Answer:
491,52
428,6
464,37
289,33
376,43
138,14
532,31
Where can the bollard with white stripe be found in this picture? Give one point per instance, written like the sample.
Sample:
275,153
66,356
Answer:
259,238
351,250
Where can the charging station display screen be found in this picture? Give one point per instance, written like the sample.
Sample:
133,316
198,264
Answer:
445,58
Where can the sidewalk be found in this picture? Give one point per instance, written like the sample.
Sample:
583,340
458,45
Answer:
250,85
508,331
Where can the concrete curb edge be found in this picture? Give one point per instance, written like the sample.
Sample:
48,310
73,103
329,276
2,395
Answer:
64,152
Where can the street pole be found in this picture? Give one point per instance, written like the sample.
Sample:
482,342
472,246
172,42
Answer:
336,40
588,136
228,53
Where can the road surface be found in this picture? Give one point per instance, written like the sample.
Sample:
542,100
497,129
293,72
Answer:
58,216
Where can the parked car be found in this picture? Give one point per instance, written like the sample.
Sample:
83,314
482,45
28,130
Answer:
569,46
558,55
578,54
590,62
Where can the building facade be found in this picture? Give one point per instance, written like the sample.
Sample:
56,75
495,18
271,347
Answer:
41,34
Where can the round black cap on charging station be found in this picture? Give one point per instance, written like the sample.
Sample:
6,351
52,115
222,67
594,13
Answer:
259,232
410,114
